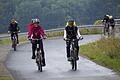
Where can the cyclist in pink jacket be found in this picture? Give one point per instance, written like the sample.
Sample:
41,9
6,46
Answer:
35,31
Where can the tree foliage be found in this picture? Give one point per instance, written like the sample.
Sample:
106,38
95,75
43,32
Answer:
54,13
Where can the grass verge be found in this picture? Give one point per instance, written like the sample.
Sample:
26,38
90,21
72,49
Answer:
5,78
55,34
105,52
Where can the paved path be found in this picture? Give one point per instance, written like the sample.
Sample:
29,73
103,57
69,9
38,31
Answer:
23,67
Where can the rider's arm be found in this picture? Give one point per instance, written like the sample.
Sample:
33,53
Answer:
65,34
18,28
30,27
78,32
9,28
42,32
79,36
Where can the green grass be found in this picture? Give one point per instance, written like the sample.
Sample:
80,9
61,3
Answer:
8,41
86,31
5,78
105,52
55,34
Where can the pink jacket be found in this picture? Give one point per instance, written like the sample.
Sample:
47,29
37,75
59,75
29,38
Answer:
35,32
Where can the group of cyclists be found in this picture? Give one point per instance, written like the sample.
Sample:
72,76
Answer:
36,31
108,21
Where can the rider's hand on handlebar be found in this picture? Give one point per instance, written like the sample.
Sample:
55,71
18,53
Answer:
8,31
44,37
19,31
80,38
65,39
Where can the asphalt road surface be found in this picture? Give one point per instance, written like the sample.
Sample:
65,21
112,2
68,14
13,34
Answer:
22,67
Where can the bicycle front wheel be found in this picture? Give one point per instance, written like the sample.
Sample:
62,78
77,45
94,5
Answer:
14,46
75,65
39,63
72,63
40,66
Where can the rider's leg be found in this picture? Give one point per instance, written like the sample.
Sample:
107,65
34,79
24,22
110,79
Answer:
68,43
34,46
77,47
12,34
113,30
42,50
17,38
108,30
105,28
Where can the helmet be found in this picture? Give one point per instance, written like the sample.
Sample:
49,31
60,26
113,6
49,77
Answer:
106,15
71,20
35,20
32,20
110,17
13,21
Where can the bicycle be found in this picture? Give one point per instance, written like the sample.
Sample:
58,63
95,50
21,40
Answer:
111,31
73,53
108,30
39,58
14,41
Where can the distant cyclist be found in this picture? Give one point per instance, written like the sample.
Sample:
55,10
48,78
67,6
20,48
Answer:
71,32
35,31
13,27
106,23
112,22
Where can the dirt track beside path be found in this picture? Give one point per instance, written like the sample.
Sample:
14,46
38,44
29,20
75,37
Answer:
4,50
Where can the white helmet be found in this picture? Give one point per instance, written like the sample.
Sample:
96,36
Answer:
110,17
35,20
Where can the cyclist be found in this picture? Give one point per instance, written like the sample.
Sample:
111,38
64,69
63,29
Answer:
112,22
35,31
71,32
30,26
106,23
13,27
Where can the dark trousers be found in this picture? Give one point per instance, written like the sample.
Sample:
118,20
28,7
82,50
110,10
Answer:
106,27
12,34
112,26
68,43
34,48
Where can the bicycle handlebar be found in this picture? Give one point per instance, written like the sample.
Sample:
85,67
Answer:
72,40
36,39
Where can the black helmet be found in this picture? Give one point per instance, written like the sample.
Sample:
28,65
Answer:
71,20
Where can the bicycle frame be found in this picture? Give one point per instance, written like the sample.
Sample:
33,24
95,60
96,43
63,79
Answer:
73,54
111,31
108,29
14,41
39,57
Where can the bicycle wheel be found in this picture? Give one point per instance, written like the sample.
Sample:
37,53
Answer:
14,46
40,68
40,65
72,63
75,64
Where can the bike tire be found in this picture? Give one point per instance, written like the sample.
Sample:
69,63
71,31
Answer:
40,68
14,46
75,65
40,65
72,63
